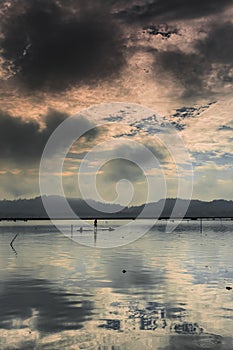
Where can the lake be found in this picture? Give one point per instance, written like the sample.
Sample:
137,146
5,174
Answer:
165,291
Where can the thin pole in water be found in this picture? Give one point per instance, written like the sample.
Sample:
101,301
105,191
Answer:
72,229
11,244
13,239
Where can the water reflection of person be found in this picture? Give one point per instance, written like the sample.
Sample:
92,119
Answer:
95,236
95,231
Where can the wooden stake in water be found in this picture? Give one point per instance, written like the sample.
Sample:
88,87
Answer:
71,230
201,225
13,239
11,244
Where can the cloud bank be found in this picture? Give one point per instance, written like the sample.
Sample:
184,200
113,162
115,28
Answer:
23,141
172,9
52,46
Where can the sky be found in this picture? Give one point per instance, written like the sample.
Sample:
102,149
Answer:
164,62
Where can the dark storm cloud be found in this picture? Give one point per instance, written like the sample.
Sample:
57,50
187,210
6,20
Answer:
187,69
52,46
22,141
118,169
212,59
172,9
218,45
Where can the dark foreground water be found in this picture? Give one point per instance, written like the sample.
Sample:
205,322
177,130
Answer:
175,292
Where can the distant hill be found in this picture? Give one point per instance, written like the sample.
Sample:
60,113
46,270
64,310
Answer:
33,208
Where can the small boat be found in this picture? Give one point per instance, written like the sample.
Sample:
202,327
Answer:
98,229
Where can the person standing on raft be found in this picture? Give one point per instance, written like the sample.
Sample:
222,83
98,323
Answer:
95,223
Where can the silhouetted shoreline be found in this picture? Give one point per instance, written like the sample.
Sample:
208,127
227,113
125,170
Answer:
33,209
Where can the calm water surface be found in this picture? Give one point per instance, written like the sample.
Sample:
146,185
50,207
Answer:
175,292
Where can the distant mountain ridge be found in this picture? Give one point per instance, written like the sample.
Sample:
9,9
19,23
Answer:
33,208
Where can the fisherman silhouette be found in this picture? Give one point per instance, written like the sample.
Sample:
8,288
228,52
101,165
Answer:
95,223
